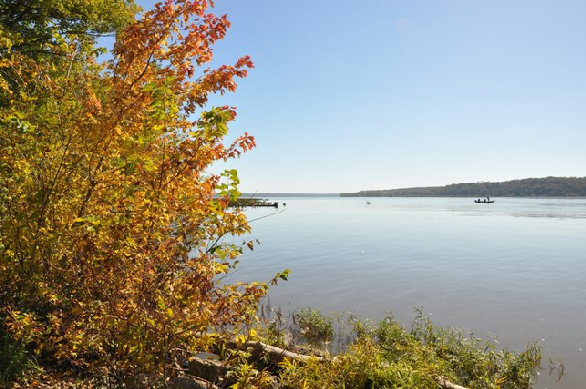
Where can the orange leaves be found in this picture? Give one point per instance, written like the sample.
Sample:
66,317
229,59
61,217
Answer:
115,234
177,32
218,80
244,62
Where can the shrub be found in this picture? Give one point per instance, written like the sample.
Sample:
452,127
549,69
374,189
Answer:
315,328
112,226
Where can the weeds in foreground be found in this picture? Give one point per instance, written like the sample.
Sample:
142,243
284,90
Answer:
315,327
15,359
386,355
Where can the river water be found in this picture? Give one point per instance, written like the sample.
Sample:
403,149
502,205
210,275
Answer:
515,269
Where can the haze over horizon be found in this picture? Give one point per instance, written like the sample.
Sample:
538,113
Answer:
352,96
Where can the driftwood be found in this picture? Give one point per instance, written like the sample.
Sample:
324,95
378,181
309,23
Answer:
274,354
447,384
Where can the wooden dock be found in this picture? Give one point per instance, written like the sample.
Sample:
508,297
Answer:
252,202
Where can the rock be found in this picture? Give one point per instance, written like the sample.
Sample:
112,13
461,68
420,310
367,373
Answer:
207,369
190,383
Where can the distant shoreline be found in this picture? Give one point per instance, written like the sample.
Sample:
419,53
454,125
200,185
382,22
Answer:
548,187
554,187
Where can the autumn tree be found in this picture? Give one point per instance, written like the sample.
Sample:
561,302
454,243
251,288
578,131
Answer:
112,254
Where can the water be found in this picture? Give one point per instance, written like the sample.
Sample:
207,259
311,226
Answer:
515,269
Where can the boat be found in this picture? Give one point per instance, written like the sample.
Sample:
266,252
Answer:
484,201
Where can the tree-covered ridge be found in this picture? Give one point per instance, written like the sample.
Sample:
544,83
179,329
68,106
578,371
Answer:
529,187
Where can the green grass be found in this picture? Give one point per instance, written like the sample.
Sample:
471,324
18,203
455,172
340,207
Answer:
386,355
15,359
317,329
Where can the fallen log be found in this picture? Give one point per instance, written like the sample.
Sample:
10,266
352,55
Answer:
447,384
274,354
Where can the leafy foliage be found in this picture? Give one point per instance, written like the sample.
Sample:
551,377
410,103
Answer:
32,24
54,33
111,225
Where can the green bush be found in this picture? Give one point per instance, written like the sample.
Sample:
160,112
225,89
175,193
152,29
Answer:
315,328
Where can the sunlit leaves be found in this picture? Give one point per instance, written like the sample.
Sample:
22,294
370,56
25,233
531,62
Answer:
112,226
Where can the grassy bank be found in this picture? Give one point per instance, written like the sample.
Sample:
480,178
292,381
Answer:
386,355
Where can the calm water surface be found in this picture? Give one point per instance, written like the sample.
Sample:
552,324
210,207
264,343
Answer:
515,269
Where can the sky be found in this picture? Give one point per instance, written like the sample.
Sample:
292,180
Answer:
382,94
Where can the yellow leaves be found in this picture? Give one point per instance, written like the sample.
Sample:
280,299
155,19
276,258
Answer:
221,268
499,382
116,214
53,298
77,221
161,303
252,334
130,241
241,339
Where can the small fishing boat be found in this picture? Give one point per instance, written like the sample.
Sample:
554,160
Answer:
484,201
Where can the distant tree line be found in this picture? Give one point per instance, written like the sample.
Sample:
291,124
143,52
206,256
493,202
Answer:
529,187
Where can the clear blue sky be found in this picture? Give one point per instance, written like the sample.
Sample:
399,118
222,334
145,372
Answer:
378,94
